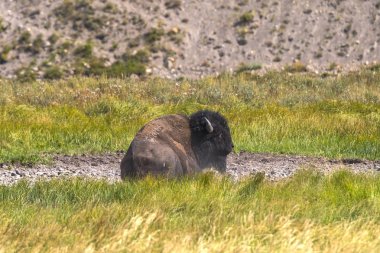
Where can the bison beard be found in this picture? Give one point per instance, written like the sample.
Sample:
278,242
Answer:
175,145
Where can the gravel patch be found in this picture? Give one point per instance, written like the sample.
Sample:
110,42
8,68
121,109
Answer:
106,166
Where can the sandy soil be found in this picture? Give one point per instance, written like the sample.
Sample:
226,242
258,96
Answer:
106,166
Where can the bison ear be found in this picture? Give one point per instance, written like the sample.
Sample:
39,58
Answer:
209,127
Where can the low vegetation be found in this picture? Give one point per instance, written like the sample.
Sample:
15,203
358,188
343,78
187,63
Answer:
278,112
309,212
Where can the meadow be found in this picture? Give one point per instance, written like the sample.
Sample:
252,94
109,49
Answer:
278,112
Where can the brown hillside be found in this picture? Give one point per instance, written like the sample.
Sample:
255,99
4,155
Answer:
54,38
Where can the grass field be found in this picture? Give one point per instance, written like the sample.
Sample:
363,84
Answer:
310,212
278,112
336,116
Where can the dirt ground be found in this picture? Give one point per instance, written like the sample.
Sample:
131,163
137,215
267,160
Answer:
240,165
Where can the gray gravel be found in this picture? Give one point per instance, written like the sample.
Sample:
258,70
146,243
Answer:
106,166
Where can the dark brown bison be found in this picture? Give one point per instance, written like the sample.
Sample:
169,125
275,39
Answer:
175,145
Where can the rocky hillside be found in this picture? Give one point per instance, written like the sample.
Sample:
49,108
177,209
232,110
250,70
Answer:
56,38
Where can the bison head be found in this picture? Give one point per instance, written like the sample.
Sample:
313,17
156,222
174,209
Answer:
210,139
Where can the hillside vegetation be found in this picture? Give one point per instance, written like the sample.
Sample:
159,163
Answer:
172,38
279,112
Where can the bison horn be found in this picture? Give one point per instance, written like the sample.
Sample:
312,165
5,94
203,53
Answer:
209,127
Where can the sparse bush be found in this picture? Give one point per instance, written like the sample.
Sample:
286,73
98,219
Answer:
173,4
81,14
25,74
141,55
137,20
110,8
134,42
245,19
25,38
332,66
53,38
374,67
4,54
248,67
123,69
2,26
114,47
63,49
297,66
53,72
65,10
176,36
37,45
84,51
92,23
154,35
126,66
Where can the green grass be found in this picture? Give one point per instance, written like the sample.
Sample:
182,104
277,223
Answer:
309,212
280,113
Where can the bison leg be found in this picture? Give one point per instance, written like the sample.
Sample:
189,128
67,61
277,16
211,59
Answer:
127,165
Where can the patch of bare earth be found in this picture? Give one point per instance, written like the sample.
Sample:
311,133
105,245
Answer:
240,165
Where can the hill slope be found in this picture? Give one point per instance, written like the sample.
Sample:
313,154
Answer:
173,37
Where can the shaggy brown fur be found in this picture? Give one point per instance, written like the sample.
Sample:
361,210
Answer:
175,145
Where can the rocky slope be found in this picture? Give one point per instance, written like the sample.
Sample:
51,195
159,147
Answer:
54,38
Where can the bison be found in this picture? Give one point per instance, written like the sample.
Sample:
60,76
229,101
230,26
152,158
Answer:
177,145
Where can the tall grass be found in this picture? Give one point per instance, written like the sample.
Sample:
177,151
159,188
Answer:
309,212
276,112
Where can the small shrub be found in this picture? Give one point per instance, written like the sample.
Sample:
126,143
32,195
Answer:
53,38
2,26
114,47
25,38
154,35
374,67
110,8
84,51
81,14
25,74
53,72
37,45
295,67
176,36
93,23
137,20
63,49
248,67
173,4
141,56
4,54
65,10
245,19
121,68
134,42
277,59
332,66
